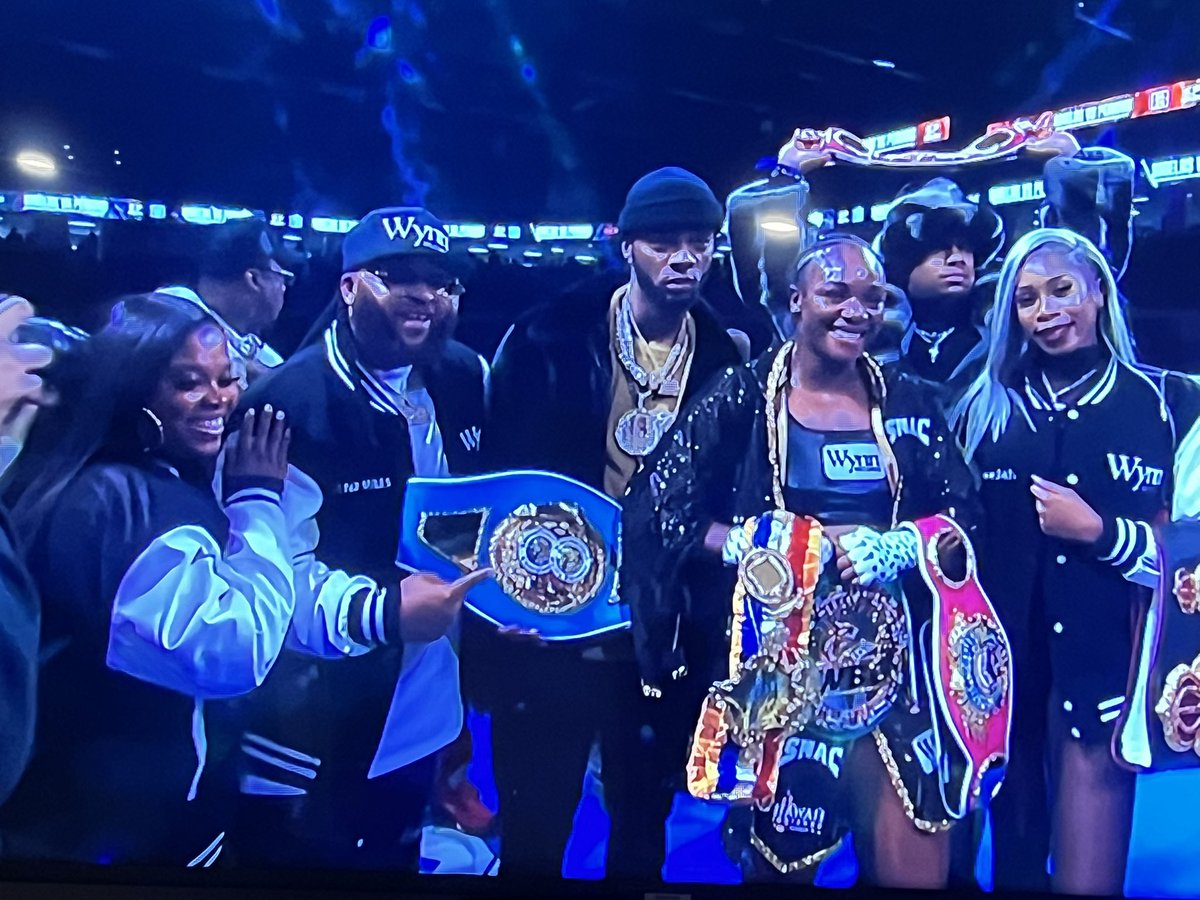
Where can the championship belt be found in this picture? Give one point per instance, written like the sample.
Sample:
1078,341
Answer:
1001,142
860,647
972,667
1160,727
553,543
771,689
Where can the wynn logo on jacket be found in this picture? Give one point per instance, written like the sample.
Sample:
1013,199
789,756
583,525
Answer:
470,437
1131,470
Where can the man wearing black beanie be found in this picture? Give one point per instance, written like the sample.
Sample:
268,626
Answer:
587,388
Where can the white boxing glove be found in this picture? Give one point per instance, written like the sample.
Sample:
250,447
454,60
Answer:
737,544
879,557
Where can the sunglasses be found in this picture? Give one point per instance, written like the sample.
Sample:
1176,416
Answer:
447,290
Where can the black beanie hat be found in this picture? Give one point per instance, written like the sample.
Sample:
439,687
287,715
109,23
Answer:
670,199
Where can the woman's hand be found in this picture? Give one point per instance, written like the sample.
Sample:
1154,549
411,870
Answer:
1062,513
258,454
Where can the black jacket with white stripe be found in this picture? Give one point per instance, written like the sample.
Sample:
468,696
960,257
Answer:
1071,609
350,439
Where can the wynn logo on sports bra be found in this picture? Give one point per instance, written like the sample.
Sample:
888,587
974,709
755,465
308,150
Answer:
857,461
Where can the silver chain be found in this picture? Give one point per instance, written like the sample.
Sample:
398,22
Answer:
651,381
934,340
1054,395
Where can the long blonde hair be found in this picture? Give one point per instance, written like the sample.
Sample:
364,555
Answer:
987,406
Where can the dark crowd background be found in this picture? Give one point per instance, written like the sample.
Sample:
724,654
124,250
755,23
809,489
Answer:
78,287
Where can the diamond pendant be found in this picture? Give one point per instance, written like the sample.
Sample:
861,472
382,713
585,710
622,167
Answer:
639,430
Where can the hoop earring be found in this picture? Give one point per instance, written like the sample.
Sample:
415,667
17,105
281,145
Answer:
150,431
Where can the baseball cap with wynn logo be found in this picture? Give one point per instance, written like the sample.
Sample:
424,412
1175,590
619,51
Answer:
391,232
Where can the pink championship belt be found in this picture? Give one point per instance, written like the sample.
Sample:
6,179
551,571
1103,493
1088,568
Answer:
972,662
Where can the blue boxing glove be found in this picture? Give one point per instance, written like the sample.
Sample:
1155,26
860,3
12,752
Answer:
876,557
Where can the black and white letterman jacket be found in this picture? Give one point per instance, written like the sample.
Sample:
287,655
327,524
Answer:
316,724
1129,445
157,601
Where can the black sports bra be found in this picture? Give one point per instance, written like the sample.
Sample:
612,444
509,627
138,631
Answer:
837,477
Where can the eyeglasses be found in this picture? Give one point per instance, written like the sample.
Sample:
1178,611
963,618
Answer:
288,278
449,290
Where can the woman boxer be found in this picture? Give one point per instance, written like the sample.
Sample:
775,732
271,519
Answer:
818,429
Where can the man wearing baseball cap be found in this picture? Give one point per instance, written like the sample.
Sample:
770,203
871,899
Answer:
243,277
587,388
338,756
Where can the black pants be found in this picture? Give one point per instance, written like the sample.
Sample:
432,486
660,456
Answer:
350,823
556,705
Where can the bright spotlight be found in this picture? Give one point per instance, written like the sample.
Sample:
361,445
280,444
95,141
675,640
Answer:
780,227
35,163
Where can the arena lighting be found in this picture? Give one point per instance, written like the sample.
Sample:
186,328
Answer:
779,227
568,232
469,230
534,254
95,207
1153,101
585,258
292,237
884,63
199,214
1021,192
922,134
477,249
330,224
497,245
32,162
1174,169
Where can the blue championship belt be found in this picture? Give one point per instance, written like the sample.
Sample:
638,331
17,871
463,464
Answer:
553,543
